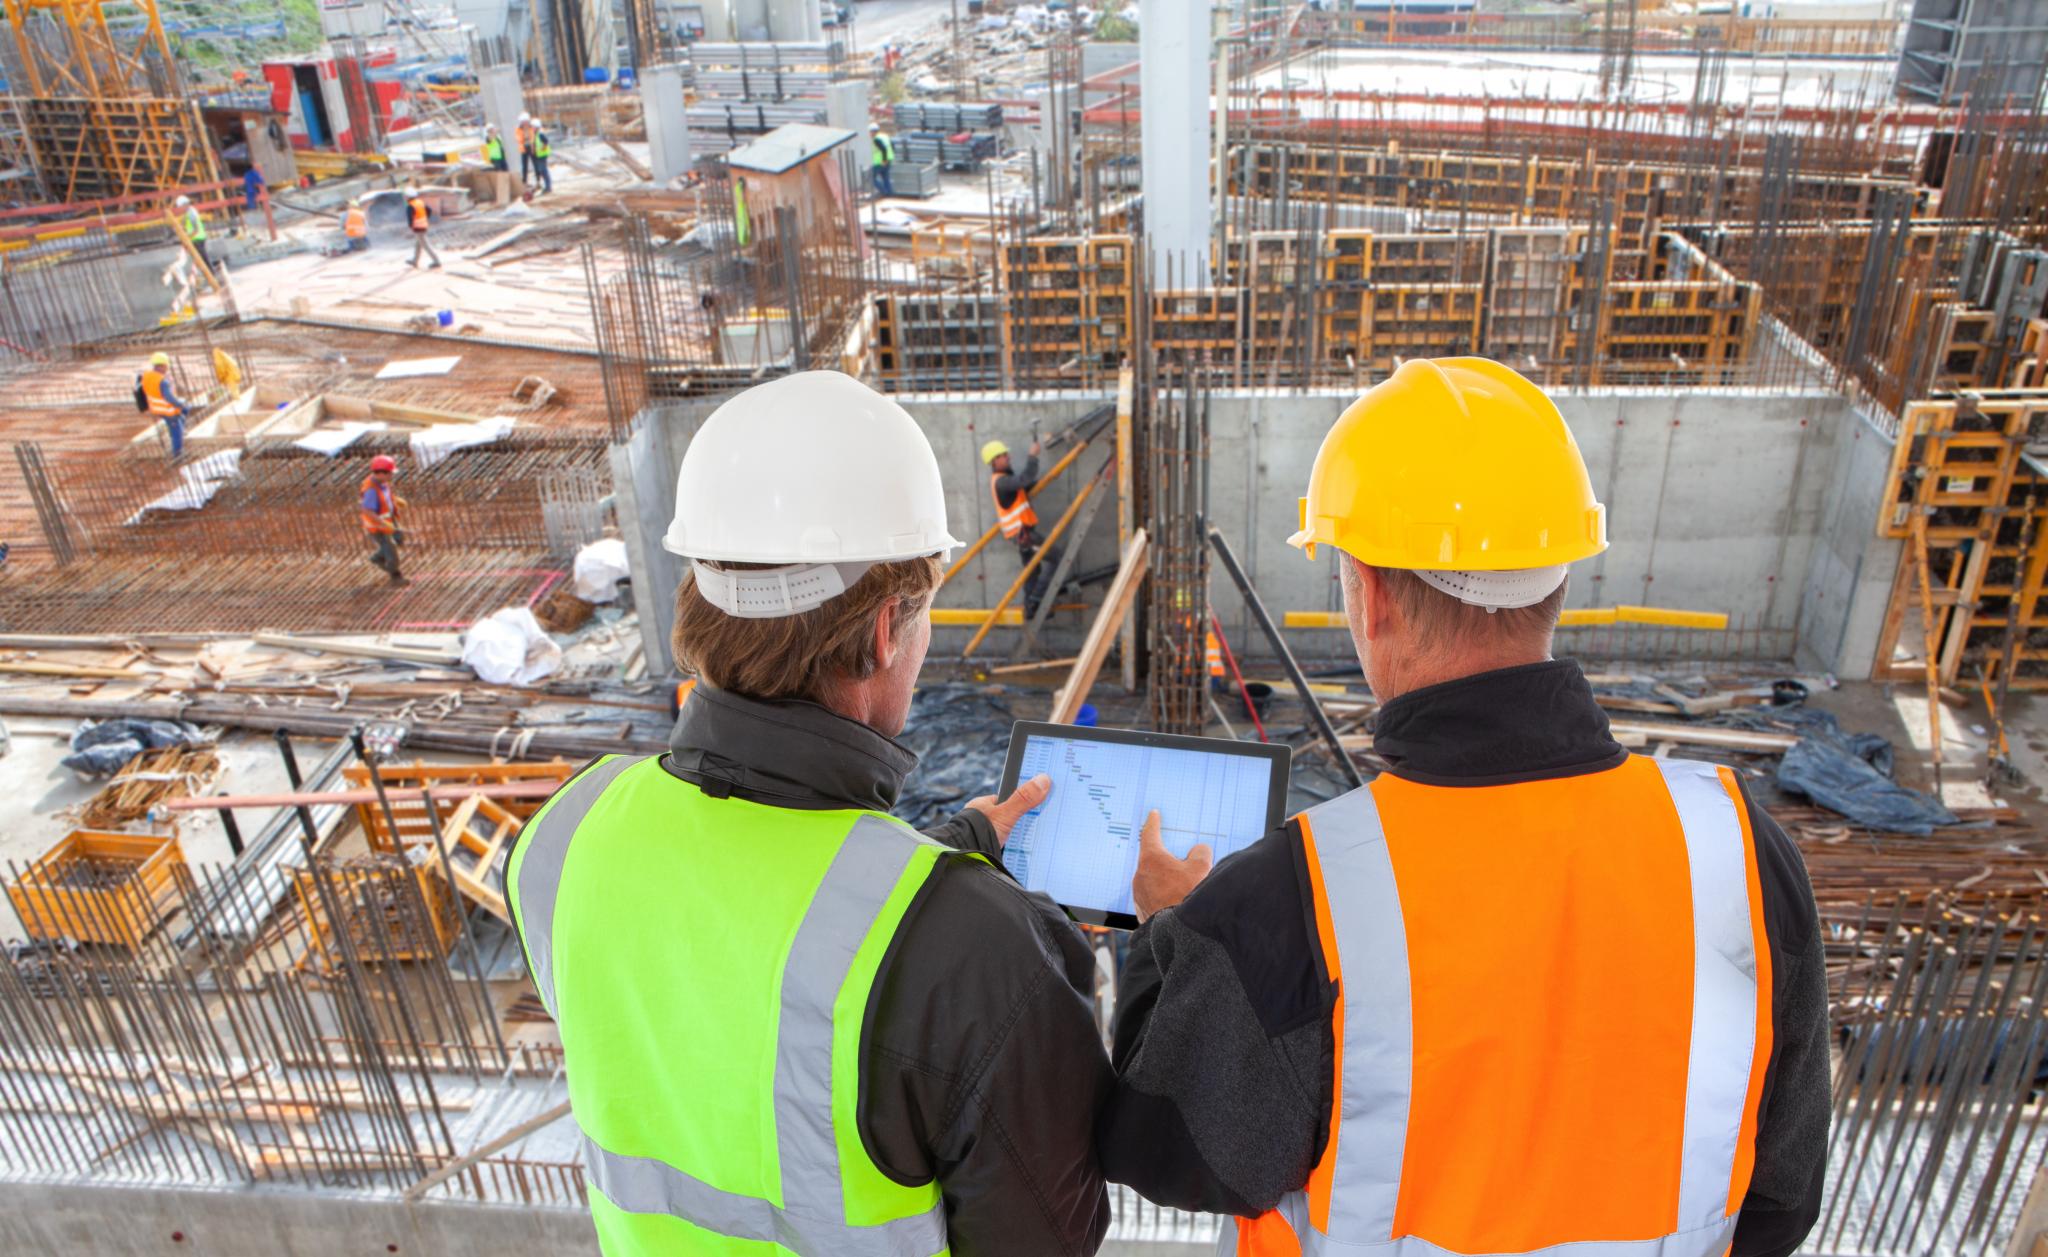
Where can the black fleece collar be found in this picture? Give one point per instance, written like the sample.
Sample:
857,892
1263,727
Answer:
784,753
1493,728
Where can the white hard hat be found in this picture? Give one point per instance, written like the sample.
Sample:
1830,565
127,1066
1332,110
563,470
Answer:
184,200
412,189
526,117
816,473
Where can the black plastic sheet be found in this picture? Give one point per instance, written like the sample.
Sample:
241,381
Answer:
1849,773
102,749
960,734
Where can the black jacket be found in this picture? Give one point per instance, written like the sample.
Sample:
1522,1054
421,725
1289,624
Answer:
981,1063
1223,1037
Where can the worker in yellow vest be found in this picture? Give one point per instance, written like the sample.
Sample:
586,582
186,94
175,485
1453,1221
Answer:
1523,992
192,224
355,226
542,150
417,217
494,148
1010,490
790,1022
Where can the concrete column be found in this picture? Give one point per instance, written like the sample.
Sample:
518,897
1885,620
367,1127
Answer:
718,24
1056,140
846,105
1173,41
796,21
668,132
750,21
498,89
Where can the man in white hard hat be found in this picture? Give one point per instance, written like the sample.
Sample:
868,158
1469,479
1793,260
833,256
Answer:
523,134
789,1019
192,225
418,218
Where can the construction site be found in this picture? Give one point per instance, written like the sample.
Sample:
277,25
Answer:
1784,275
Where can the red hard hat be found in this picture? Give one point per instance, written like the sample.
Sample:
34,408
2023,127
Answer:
383,462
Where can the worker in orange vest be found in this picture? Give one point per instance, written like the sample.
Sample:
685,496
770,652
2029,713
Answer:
355,226
416,217
523,133
379,508
1524,991
153,389
1010,489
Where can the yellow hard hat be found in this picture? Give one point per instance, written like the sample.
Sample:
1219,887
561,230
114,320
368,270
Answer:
990,450
159,360
1452,463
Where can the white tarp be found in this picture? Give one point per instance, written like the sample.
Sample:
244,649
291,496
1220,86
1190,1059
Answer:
431,445
406,368
198,481
332,441
510,648
600,566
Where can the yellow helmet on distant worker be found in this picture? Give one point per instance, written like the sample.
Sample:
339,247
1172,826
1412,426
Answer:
991,449
159,359
1452,464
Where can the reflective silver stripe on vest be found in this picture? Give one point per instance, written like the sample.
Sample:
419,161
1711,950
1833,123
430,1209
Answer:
1710,1241
870,861
1372,957
1372,963
546,839
1724,989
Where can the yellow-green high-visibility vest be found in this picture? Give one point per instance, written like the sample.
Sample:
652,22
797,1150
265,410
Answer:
708,962
195,225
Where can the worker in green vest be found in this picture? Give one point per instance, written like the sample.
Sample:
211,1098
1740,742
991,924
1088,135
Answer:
494,148
790,1022
193,225
541,149
742,227
883,150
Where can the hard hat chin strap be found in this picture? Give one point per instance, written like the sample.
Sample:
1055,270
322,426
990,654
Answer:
774,592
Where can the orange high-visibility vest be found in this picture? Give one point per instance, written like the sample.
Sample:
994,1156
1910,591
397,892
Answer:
153,389
1015,517
418,206
524,134
1552,1022
385,517
1214,651
355,223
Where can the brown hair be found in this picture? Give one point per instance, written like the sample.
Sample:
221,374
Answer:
797,656
1440,619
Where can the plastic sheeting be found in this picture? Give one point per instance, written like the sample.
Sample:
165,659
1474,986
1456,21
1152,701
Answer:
600,566
510,648
431,445
198,481
960,734
101,749
1849,773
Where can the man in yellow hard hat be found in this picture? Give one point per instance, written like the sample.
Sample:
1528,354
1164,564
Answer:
1524,991
1010,489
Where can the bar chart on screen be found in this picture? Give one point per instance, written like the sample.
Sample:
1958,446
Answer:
1081,845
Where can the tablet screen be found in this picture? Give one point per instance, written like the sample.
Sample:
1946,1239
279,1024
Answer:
1081,845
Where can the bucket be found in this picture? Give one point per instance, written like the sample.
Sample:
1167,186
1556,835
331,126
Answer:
1085,717
446,318
1254,698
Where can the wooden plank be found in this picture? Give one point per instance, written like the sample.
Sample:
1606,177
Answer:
1126,519
1123,590
397,794
366,650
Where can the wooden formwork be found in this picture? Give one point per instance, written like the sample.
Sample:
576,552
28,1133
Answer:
413,825
1422,321
98,887
1528,292
87,149
479,838
1961,465
396,907
1688,331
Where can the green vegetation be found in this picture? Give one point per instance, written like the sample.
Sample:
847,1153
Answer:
892,88
209,53
1115,28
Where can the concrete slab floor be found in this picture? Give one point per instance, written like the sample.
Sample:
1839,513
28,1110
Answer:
44,798
1899,712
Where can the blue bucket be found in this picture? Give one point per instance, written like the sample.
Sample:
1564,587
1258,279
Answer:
1085,717
446,318
596,74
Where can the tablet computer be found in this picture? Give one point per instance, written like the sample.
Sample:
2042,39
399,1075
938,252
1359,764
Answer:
1081,845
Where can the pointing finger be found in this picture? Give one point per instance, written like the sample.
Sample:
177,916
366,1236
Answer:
1148,835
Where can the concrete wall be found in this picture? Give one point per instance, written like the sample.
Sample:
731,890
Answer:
1850,572
107,1221
1760,505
